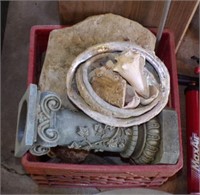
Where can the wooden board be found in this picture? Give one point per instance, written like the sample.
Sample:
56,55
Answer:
148,13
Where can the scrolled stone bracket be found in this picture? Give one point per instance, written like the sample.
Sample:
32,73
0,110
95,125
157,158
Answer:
50,103
43,123
39,150
47,133
53,126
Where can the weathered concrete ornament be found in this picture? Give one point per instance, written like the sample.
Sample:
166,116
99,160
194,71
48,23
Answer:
43,124
146,74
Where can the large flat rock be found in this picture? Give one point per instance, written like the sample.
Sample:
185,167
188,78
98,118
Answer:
65,44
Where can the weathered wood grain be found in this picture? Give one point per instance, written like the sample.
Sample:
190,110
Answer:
148,13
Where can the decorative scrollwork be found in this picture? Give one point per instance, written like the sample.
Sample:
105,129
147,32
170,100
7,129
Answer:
151,145
130,146
48,134
39,150
49,104
107,137
74,145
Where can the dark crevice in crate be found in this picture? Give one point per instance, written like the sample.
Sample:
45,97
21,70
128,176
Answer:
99,158
41,42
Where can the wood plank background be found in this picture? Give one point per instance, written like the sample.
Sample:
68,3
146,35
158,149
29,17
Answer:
148,13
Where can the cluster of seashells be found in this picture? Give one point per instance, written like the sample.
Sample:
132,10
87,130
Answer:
118,83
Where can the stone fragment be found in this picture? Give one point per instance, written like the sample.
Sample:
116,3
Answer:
110,86
169,151
66,44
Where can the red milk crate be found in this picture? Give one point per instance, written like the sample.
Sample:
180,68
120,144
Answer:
123,176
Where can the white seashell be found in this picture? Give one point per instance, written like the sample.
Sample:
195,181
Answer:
129,94
132,100
130,65
153,95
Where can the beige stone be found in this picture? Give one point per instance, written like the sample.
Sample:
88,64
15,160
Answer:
110,86
66,44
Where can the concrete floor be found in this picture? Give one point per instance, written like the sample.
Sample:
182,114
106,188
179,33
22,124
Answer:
21,16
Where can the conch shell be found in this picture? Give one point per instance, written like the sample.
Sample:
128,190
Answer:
130,65
132,99
153,95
